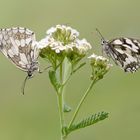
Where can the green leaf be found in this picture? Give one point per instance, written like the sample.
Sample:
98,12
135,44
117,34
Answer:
54,80
67,70
66,108
88,121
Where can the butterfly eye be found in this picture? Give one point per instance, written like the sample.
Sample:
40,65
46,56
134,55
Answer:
103,42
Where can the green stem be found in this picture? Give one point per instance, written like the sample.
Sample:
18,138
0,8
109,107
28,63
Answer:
61,104
81,102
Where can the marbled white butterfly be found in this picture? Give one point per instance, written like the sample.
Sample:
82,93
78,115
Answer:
19,45
125,52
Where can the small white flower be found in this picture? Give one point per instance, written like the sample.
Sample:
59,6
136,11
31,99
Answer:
43,43
100,66
64,29
96,57
57,46
83,46
74,32
99,60
60,27
51,30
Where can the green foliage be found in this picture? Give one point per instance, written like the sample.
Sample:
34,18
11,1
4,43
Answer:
54,80
66,70
65,52
88,121
66,108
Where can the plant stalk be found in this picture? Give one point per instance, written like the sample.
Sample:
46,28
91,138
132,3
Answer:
61,104
81,102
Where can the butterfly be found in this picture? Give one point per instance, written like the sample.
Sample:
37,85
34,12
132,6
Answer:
125,52
19,45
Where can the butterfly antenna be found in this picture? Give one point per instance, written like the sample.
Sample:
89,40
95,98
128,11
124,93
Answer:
24,83
102,38
100,34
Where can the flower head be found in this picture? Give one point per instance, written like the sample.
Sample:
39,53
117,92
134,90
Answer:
62,41
63,32
100,65
82,46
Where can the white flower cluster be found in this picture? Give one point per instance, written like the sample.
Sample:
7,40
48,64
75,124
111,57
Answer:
99,61
100,66
64,29
98,58
64,39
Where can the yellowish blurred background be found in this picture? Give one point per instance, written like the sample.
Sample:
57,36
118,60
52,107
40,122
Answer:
34,116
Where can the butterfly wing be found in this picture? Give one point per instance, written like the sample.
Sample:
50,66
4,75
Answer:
19,45
125,52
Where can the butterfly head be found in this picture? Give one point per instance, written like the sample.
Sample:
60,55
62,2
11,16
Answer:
104,43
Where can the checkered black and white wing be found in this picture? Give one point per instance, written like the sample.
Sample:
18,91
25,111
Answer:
125,52
19,45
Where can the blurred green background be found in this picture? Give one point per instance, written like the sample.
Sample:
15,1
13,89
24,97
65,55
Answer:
34,116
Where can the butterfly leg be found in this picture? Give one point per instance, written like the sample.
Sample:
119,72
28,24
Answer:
41,71
24,83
